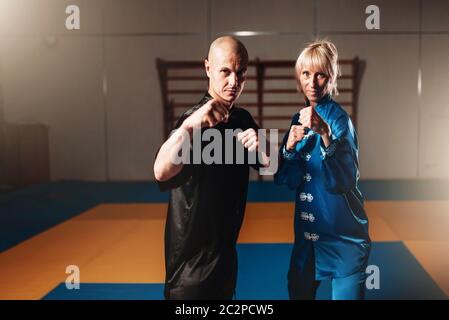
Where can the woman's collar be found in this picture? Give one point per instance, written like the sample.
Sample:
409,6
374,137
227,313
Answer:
325,99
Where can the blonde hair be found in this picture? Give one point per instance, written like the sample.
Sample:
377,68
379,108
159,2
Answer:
321,55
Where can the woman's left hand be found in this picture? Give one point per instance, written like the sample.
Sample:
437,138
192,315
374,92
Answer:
311,119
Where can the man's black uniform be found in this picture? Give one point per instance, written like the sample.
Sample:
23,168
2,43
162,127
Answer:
205,213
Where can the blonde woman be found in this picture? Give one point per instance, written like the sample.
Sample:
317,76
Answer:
319,158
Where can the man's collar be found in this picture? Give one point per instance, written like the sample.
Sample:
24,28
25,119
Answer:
207,97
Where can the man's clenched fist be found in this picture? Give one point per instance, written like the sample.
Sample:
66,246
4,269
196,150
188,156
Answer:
249,139
209,115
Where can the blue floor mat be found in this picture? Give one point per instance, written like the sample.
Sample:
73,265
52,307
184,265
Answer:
263,275
108,291
31,210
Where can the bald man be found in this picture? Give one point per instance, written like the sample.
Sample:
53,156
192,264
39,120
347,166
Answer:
207,201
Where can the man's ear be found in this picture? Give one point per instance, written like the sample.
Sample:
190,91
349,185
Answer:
207,67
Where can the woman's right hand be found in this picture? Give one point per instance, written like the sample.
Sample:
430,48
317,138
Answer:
297,133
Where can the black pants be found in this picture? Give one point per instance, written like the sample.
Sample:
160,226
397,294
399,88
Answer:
202,291
302,284
219,285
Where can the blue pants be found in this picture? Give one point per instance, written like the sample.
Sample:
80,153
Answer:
303,286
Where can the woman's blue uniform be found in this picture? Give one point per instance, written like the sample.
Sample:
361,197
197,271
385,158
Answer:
331,226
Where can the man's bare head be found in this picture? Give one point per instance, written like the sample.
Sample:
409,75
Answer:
226,67
227,44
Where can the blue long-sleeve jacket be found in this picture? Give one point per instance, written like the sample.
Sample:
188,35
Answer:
329,214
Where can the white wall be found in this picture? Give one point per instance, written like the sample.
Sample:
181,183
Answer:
55,76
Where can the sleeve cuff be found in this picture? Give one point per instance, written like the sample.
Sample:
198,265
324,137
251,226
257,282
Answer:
329,151
288,155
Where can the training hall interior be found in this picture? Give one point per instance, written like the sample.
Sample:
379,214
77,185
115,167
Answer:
90,89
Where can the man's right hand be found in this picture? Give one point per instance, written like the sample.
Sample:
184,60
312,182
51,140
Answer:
297,133
209,115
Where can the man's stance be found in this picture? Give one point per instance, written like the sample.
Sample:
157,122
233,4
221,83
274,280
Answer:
207,201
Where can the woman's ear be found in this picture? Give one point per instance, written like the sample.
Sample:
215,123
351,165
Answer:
298,82
328,88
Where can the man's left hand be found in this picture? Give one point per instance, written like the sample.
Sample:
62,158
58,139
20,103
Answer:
249,139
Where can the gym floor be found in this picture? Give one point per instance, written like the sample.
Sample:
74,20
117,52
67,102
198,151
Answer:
114,233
